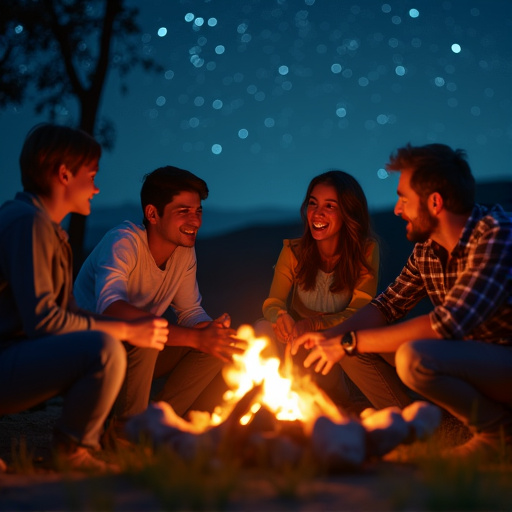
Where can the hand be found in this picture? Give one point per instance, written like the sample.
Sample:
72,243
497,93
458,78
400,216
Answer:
283,328
148,332
224,320
309,340
326,353
219,341
301,327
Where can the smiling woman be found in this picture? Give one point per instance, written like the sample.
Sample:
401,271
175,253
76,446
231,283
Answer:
322,278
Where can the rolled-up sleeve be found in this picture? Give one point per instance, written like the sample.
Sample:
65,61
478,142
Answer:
403,294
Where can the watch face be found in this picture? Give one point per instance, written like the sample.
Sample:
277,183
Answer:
348,342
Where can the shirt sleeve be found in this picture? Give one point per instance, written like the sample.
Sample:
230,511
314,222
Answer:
364,292
480,289
187,300
282,282
39,266
404,293
116,258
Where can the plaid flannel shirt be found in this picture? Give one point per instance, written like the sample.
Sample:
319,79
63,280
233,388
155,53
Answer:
471,295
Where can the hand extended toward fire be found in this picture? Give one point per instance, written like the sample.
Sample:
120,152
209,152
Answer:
287,329
284,327
216,338
325,351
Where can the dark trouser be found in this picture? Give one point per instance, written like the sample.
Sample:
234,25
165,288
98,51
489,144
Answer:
376,377
86,367
189,374
470,379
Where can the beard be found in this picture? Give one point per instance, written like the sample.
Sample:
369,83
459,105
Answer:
423,226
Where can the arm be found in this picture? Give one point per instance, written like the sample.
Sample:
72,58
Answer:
187,299
372,323
274,307
37,265
213,339
327,350
43,285
282,282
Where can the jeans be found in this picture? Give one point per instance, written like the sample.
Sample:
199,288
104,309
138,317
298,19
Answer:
376,377
86,367
470,379
188,374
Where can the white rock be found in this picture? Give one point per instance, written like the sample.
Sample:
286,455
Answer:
385,429
423,418
338,445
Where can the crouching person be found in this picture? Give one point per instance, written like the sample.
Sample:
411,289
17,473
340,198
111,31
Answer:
48,346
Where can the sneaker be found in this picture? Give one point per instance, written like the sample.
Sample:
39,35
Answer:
482,447
81,459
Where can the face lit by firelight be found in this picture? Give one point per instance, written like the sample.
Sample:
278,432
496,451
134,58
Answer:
420,223
180,221
323,213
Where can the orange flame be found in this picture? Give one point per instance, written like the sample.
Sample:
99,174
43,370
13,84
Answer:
280,395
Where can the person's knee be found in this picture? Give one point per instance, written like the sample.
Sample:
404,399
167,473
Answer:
109,350
409,359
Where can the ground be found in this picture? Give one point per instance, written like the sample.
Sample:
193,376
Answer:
391,484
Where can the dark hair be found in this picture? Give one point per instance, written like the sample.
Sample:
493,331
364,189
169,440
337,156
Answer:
438,168
355,234
48,146
160,186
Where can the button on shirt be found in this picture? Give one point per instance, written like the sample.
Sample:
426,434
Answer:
470,291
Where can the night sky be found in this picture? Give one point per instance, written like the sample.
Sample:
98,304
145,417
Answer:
259,96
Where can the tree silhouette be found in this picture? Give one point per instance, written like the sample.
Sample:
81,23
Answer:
55,51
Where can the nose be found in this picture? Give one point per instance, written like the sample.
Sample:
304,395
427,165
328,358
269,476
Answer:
398,208
96,190
195,219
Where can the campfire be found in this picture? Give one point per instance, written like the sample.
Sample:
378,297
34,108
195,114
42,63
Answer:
268,409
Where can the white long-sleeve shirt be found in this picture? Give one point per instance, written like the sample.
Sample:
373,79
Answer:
121,267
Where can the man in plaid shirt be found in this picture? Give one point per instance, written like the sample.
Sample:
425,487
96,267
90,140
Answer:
459,355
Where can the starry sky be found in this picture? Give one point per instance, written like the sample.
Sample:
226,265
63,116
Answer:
259,96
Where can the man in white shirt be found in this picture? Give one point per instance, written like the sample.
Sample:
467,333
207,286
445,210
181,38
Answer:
141,270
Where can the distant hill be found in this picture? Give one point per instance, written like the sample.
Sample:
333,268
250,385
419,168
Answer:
237,251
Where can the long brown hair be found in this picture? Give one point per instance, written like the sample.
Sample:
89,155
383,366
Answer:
355,235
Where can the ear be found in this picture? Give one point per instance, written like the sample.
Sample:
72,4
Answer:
150,213
64,174
436,203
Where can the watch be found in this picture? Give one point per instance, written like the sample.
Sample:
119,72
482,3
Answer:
349,343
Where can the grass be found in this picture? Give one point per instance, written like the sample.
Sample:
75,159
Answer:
414,476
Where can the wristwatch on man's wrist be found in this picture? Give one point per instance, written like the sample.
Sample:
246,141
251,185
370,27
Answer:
349,343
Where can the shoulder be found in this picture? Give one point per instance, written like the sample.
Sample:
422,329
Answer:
497,216
292,245
127,231
491,220
21,215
